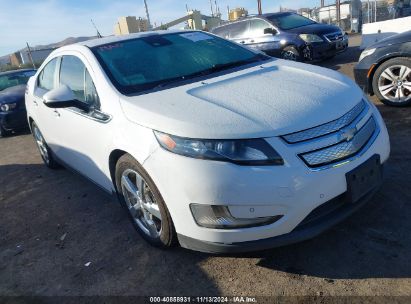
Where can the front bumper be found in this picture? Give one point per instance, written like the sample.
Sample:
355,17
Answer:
13,120
318,221
292,190
361,78
328,49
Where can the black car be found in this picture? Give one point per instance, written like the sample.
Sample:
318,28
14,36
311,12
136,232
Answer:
12,106
286,35
384,69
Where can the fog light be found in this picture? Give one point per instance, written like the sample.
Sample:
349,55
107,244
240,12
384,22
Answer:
219,217
8,107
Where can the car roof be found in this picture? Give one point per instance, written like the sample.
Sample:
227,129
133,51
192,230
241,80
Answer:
262,16
16,71
113,39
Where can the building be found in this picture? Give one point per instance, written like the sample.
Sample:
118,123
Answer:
130,24
237,13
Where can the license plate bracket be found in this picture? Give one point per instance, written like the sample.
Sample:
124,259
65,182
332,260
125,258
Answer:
364,179
339,45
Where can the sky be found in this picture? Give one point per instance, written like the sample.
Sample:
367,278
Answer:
47,21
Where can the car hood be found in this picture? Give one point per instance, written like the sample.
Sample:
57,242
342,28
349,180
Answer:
12,94
277,98
316,28
391,40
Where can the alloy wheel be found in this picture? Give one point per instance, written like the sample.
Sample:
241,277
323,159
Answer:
394,83
290,55
141,203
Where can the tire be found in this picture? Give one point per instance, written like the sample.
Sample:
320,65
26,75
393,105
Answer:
45,152
148,212
3,132
291,53
392,82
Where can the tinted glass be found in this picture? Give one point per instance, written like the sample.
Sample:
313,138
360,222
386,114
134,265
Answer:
14,79
257,27
47,75
90,93
73,73
221,31
239,29
288,21
149,62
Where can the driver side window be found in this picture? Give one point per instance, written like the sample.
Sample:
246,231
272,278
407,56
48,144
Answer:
257,27
74,74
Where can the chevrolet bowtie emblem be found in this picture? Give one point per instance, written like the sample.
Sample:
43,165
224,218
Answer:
347,134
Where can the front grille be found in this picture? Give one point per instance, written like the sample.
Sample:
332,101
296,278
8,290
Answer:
327,128
341,150
334,36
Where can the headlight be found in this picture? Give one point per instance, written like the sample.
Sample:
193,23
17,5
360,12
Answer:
8,107
243,152
367,53
311,38
219,217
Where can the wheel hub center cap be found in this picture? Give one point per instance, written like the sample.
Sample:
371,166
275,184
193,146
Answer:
399,83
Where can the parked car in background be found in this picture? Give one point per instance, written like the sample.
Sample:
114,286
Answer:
286,35
384,69
12,107
198,149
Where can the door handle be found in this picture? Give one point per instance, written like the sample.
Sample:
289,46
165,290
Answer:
252,41
242,42
35,103
56,113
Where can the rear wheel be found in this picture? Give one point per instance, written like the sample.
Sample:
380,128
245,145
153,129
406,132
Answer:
143,201
392,82
291,53
44,149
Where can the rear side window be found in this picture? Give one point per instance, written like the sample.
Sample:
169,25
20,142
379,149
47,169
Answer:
221,31
47,75
239,29
74,74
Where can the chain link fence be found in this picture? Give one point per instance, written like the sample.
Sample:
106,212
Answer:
356,13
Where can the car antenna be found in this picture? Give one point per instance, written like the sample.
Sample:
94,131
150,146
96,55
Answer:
98,33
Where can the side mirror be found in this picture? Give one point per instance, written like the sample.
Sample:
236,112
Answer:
270,30
63,97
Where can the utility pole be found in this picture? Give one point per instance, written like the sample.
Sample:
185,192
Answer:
368,11
338,8
31,57
212,9
322,3
260,8
375,13
148,15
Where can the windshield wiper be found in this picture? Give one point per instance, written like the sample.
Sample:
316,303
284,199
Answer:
214,69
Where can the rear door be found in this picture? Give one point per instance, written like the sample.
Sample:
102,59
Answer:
238,32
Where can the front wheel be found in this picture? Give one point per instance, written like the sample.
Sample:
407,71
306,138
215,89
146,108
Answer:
143,201
392,82
291,53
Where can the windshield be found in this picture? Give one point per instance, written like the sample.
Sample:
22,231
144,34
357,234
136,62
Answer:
14,79
156,61
289,21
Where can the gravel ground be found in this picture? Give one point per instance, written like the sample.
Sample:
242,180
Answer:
60,235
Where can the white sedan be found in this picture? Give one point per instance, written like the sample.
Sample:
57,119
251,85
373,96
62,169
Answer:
207,143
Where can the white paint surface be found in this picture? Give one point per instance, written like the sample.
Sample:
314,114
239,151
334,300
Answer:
374,32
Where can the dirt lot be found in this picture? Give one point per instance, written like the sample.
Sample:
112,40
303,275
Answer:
52,223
